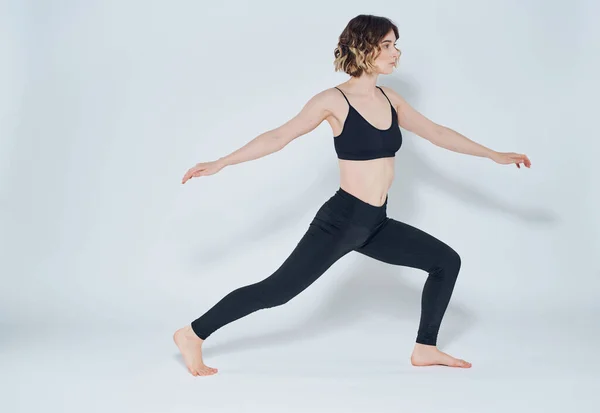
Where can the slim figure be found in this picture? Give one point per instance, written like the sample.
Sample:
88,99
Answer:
365,120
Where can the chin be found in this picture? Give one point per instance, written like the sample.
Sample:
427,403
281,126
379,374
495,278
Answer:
385,70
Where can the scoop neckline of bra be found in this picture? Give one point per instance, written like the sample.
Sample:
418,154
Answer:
365,120
362,117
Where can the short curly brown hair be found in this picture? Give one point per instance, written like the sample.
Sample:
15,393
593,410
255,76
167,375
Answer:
358,45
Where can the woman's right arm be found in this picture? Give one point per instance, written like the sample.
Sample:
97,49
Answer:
311,116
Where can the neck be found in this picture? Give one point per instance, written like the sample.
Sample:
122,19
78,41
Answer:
364,85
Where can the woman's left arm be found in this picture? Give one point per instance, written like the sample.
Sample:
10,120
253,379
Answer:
446,138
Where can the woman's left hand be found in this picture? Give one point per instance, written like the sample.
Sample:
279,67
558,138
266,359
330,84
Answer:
505,158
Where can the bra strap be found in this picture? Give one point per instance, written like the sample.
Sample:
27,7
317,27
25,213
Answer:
388,99
385,95
344,95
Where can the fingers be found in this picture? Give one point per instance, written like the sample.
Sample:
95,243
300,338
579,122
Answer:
524,160
186,177
193,173
519,159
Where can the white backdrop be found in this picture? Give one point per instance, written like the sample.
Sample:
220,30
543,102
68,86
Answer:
106,104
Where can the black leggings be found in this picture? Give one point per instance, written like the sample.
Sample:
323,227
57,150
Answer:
345,223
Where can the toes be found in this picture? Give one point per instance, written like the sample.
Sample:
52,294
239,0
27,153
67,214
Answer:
205,371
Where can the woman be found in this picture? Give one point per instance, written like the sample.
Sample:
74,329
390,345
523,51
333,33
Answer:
364,119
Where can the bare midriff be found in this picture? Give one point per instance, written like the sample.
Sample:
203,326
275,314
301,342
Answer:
368,180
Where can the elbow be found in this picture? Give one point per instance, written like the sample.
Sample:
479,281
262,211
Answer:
279,140
436,135
282,137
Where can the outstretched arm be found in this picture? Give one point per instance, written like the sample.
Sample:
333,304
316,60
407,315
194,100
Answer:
446,138
311,115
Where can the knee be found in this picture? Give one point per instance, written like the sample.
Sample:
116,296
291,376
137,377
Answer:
271,301
450,262
269,297
454,258
275,302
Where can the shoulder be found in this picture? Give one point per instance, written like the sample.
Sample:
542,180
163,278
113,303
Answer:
329,100
395,97
328,96
319,107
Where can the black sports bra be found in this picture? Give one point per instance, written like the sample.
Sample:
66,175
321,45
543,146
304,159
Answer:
361,141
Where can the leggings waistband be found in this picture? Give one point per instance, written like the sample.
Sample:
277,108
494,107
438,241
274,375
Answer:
356,210
353,199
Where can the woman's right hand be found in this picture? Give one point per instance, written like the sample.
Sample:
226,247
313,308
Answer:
203,169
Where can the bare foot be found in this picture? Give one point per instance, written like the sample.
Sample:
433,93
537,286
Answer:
190,346
424,355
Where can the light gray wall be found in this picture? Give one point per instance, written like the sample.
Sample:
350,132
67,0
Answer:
106,104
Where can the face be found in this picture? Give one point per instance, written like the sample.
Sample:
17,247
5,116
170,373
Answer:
388,57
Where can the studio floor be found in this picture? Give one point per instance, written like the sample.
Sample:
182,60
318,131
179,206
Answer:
543,367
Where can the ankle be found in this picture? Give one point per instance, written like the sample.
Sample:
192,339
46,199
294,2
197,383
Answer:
419,346
189,332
